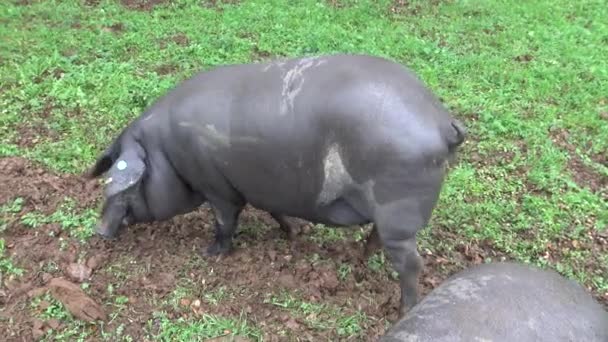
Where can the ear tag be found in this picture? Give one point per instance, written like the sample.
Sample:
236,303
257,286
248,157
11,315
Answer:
121,165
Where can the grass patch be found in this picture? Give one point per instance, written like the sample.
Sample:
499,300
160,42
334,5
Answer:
327,234
80,224
8,211
320,316
162,328
6,264
527,78
46,308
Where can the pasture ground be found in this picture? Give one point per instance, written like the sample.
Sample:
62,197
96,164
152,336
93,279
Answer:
529,79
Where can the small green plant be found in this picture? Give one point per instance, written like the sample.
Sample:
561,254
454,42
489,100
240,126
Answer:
6,265
12,207
8,212
343,271
79,224
33,219
216,296
377,261
71,329
55,310
322,234
50,266
121,300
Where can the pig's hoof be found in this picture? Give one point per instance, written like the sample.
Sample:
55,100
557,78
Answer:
217,249
404,310
291,231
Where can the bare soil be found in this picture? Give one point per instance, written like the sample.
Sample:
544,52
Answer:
583,175
179,38
410,7
149,261
142,5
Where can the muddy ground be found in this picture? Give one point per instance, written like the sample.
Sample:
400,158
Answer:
148,262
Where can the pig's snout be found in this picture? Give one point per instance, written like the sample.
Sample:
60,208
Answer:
105,234
106,231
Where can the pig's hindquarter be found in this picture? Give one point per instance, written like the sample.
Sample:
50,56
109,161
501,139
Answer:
315,147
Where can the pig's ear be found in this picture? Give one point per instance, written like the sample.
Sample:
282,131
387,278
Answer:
128,170
105,161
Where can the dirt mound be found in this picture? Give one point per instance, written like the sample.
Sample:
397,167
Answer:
76,301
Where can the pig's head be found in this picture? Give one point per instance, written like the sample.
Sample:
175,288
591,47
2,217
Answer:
136,189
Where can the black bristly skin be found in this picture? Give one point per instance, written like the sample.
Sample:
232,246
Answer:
338,139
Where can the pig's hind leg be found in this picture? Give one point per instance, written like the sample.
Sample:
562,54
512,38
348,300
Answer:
398,218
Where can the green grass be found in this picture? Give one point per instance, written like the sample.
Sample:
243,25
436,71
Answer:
516,73
71,329
7,267
161,328
320,316
79,224
8,212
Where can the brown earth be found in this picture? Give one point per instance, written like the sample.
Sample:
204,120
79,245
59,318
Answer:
180,39
582,174
410,7
166,69
142,5
147,262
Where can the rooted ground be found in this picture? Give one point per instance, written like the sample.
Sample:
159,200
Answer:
528,79
148,262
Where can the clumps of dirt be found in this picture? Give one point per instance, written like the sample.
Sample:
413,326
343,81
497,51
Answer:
143,5
148,262
261,55
398,7
499,158
215,4
525,58
179,38
55,73
471,154
76,301
30,132
71,296
582,174
494,29
78,272
115,28
597,243
41,190
258,54
166,69
161,283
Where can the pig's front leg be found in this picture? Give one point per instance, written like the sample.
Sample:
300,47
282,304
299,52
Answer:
226,222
